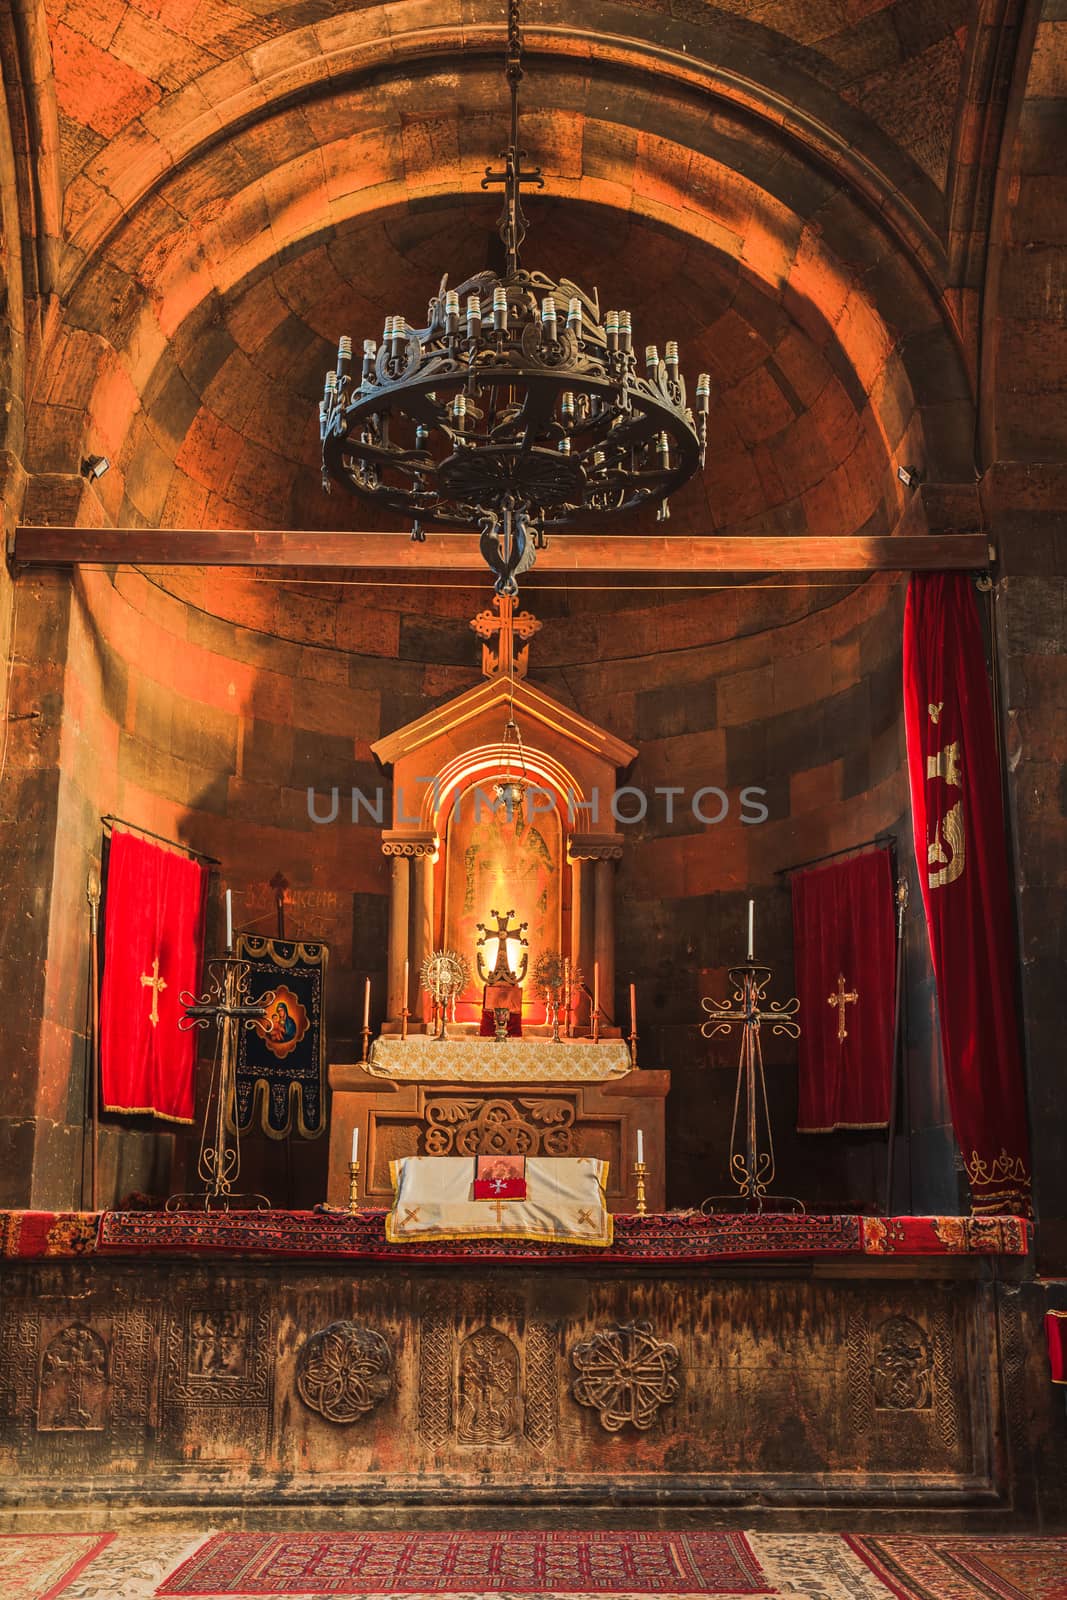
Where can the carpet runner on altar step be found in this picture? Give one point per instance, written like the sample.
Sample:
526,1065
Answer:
314,1564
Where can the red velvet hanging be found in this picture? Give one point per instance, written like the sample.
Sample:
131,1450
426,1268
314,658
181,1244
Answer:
1056,1335
845,955
958,820
153,949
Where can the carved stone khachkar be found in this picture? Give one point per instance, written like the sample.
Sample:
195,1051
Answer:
344,1371
519,1127
903,1371
74,1382
488,1388
626,1374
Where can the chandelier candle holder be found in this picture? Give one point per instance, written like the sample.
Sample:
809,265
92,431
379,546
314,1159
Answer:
752,1165
444,976
228,1004
518,408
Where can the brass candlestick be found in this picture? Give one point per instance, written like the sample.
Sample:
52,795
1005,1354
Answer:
404,1015
366,1042
353,1186
639,1173
633,1049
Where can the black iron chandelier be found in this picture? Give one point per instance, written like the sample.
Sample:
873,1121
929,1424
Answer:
518,408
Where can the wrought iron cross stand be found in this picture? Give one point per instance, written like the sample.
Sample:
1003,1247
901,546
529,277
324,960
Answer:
752,1152
227,1003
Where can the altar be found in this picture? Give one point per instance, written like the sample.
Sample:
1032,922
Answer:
279,1364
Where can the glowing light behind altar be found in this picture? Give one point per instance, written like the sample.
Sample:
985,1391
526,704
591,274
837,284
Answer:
493,860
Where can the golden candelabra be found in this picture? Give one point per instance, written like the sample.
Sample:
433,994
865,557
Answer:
228,1004
444,976
640,1171
751,1152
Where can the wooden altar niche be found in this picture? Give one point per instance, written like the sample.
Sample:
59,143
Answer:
457,855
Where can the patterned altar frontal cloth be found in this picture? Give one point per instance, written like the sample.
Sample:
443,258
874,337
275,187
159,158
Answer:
565,1202
421,1058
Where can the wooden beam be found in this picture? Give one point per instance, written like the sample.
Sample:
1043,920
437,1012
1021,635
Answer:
576,553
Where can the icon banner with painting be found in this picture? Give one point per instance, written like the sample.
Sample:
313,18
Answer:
281,1062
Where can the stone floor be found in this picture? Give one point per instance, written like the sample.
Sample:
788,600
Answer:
134,1566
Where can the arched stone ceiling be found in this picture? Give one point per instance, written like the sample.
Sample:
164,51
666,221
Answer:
224,228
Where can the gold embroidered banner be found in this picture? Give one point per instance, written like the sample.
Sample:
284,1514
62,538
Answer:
485,1061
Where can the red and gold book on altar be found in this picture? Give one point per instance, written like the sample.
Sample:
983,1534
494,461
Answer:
155,901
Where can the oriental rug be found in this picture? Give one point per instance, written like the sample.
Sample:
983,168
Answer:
39,1566
961,1567
255,1564
684,1237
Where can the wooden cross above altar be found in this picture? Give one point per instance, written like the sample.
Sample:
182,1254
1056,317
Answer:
506,625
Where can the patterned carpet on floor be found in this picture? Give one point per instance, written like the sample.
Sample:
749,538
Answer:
967,1568
41,1565
138,1565
487,1563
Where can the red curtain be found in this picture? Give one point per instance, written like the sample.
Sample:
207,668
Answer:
153,949
845,954
958,820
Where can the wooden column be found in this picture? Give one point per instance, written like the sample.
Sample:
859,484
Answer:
422,941
399,916
604,935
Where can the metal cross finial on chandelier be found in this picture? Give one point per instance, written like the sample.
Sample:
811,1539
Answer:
518,409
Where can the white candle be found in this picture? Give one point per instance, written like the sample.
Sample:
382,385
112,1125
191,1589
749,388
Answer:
633,1009
404,1003
355,1144
640,1146
366,1004
596,988
751,929
229,919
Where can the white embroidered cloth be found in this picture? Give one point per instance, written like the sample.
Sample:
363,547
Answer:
486,1061
564,1202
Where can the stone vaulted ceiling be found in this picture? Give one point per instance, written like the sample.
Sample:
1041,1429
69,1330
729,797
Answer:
798,190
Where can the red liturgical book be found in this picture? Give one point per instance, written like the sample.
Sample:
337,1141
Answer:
500,1177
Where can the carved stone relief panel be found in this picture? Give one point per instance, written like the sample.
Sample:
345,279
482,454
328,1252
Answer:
72,1385
488,1397
218,1375
626,1374
344,1371
903,1367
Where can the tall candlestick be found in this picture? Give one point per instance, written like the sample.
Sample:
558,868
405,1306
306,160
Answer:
366,1004
633,1011
640,1145
229,919
751,930
355,1143
596,995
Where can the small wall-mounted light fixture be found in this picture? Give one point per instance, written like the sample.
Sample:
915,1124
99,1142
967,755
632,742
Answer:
910,477
95,466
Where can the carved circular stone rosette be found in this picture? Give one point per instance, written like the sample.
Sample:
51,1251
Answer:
626,1374
344,1371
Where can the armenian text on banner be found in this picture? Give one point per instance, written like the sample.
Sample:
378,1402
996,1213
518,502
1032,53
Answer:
843,936
155,901
281,1061
958,818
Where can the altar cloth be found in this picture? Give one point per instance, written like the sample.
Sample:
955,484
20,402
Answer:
565,1202
684,1238
475,1060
